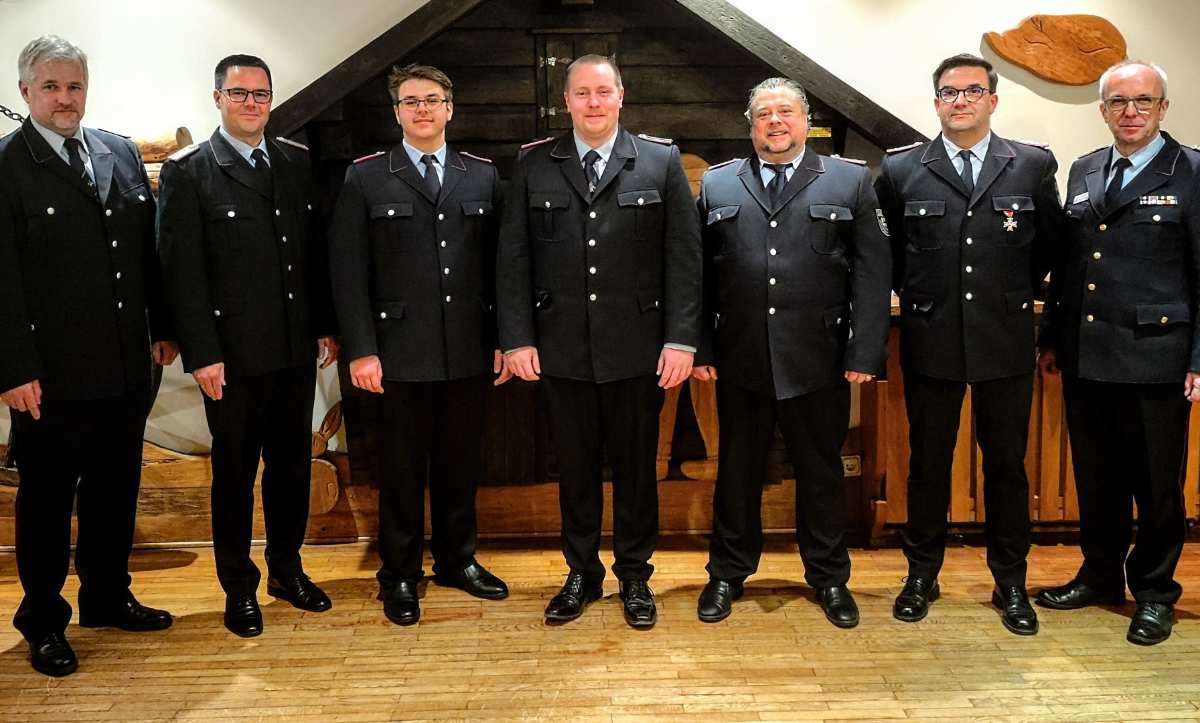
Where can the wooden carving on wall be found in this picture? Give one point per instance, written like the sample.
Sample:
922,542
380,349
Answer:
1068,49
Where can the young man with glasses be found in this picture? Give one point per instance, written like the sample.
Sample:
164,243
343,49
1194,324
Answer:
1123,331
413,254
244,261
973,218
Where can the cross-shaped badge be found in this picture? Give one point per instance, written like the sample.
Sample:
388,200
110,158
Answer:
1010,221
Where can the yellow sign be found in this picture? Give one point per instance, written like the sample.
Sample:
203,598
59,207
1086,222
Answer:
816,132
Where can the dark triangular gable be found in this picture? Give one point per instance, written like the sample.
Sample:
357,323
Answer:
870,119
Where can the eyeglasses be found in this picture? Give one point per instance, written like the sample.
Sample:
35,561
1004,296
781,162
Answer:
239,95
1142,103
973,93
414,103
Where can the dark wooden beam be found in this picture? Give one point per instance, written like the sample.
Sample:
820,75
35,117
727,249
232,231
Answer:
410,33
872,120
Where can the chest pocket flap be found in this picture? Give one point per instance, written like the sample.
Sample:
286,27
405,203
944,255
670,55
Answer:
477,208
548,200
922,209
830,212
639,198
1012,203
391,210
1157,214
722,213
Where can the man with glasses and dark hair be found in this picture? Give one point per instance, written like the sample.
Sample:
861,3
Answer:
599,298
413,254
244,261
79,305
973,218
1121,325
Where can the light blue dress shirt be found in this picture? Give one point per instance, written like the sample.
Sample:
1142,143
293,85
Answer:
1139,160
439,160
244,149
58,145
767,175
978,153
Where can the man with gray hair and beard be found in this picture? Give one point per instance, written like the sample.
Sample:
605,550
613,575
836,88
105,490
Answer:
1121,325
79,303
796,291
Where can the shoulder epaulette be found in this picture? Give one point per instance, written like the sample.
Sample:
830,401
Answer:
1101,148
293,144
1035,144
533,144
368,157
121,135
655,139
722,165
855,161
478,158
904,148
184,152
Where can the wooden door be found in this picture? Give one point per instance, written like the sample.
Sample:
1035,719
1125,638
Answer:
556,51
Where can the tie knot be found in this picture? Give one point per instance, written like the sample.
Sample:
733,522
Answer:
73,144
591,157
1122,163
259,158
429,159
778,168
965,154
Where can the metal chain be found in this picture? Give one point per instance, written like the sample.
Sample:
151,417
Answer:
12,114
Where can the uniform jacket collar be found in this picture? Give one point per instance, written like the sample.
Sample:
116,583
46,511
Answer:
811,166
232,163
1158,172
102,161
402,167
999,155
567,155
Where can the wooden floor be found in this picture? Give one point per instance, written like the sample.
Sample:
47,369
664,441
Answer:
775,659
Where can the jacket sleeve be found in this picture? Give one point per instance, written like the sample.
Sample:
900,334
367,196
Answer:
320,292
682,258
158,317
1049,326
181,238
1193,258
870,258
1050,223
892,206
491,233
20,362
349,270
514,273
706,353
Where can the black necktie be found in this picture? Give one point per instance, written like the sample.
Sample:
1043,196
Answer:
968,178
589,165
1114,186
262,168
75,154
775,187
431,177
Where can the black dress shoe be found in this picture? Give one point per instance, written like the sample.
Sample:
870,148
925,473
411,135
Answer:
300,592
242,616
128,615
839,606
638,603
51,655
1075,595
912,604
400,603
1151,623
474,579
716,599
576,594
1016,613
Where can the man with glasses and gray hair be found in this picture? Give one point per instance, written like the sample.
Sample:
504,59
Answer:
79,306
1121,326
974,218
245,266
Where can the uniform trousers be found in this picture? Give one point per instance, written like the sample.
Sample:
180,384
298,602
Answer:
814,428
268,416
429,431
586,419
1129,443
1000,408
86,455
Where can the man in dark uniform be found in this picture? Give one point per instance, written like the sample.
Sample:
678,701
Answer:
244,260
599,294
973,218
413,256
79,301
1123,330
796,283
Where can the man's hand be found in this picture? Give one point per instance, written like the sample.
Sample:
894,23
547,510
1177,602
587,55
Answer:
211,378
367,373
1191,387
674,365
1048,364
164,352
500,367
25,398
524,362
327,351
859,377
705,373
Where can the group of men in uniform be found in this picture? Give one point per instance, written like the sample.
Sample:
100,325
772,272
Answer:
599,277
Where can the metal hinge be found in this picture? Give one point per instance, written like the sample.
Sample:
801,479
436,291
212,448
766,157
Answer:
543,111
852,465
552,61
